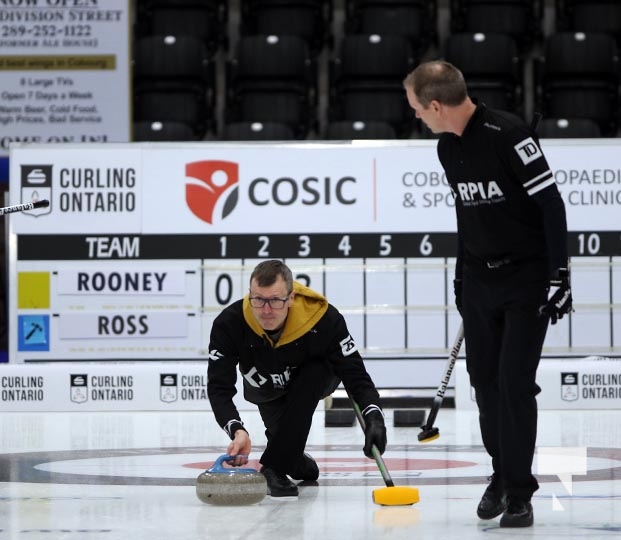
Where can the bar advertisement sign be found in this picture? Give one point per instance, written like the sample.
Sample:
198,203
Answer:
65,71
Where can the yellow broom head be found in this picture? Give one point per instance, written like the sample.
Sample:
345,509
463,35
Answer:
431,438
396,496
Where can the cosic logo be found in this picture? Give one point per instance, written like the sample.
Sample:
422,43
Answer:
309,191
217,194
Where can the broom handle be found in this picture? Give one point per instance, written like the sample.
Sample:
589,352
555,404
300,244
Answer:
448,370
374,450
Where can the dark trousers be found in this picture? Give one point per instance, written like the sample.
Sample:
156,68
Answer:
504,337
288,419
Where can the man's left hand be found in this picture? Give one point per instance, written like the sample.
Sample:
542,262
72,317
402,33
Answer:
559,296
374,432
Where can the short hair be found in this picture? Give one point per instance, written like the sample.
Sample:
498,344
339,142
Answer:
437,80
266,273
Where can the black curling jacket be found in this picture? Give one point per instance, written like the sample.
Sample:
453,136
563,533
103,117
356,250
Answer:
314,331
507,202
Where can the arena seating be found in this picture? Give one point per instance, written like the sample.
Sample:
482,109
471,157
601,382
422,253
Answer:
296,66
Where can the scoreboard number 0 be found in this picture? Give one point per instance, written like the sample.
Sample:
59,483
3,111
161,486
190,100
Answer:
224,289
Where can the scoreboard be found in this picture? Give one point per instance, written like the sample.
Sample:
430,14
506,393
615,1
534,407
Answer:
143,244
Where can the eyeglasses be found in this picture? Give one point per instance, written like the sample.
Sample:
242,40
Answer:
275,303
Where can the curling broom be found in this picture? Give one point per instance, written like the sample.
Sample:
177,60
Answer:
391,495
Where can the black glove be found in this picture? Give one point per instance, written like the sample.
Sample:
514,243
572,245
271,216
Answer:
457,287
374,432
559,296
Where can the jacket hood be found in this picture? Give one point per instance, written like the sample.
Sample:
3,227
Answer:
306,310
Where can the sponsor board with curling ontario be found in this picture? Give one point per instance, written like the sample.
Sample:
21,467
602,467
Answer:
131,189
586,383
589,385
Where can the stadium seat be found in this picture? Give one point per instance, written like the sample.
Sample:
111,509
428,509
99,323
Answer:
416,20
257,131
366,80
346,130
173,81
203,19
563,128
179,106
578,77
491,66
589,16
308,19
521,19
162,131
272,79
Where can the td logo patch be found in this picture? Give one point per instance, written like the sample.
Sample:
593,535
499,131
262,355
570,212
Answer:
348,346
528,150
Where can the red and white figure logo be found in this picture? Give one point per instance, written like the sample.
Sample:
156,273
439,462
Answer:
217,189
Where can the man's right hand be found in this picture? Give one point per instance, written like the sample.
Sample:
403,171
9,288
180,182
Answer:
559,296
240,448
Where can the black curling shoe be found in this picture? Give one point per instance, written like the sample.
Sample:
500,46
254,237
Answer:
278,485
518,514
494,502
307,469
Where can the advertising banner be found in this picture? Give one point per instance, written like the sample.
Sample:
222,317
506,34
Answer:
592,382
65,68
223,189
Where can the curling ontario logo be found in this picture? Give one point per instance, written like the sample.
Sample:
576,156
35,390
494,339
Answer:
217,194
569,386
168,387
79,387
36,184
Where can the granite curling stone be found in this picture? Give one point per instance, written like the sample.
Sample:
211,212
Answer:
230,486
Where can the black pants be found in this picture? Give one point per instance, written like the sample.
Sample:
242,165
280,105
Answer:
288,419
504,337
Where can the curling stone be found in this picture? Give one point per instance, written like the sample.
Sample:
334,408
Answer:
230,486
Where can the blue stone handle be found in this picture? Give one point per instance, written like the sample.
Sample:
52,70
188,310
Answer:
219,468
